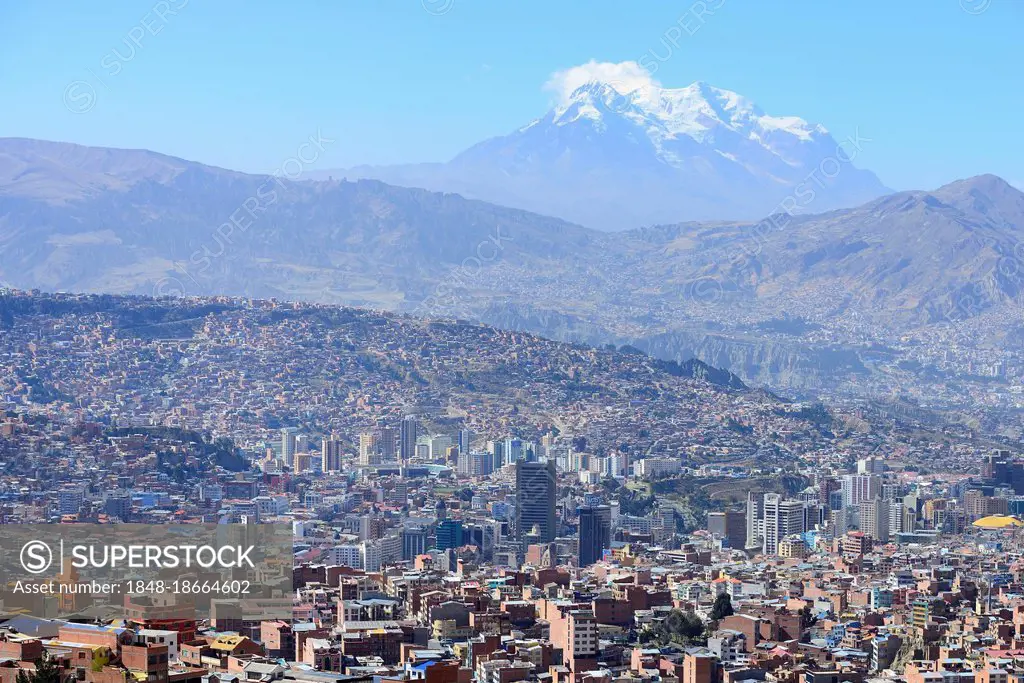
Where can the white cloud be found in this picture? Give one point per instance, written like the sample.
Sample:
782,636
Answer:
624,77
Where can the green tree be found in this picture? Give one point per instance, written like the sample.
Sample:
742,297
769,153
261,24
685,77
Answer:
691,628
722,607
685,628
47,671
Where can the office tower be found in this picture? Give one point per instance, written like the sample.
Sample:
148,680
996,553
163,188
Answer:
369,452
535,499
839,518
896,518
465,440
414,542
595,533
859,487
449,534
755,519
481,464
482,536
546,442
407,439
874,519
909,518
871,465
497,449
514,450
730,527
781,518
815,515
288,445
301,443
439,446
892,491
826,486
386,439
476,464
330,454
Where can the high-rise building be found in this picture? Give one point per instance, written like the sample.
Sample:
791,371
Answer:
595,533
860,487
897,518
386,439
330,454
755,519
782,517
535,499
874,519
826,486
439,446
871,465
815,515
414,542
449,534
465,440
479,464
497,449
369,451
400,493
407,439
730,527
978,505
288,435
514,450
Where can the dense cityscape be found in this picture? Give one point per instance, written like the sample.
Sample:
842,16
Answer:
534,342
468,504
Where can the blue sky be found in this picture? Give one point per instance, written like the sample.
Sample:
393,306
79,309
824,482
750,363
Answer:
936,85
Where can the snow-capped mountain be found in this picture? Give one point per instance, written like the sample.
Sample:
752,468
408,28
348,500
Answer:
699,112
616,157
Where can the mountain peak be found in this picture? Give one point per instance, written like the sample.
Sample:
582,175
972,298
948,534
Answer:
986,183
619,149
699,111
987,195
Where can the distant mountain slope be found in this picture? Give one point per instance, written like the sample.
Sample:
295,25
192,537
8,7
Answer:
56,171
615,158
93,219
911,256
785,301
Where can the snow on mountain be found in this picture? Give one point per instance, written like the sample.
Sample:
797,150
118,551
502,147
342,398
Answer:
618,150
696,111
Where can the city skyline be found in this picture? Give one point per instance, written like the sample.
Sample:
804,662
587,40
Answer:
453,342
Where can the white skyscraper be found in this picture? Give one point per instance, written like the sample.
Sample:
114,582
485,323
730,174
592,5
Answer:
288,435
857,488
781,518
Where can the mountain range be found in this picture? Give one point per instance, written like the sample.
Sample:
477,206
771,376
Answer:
789,301
613,157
